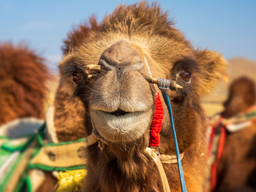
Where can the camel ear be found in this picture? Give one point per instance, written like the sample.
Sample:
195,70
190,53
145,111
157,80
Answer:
213,68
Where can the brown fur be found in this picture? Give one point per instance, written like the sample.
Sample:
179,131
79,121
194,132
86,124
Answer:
237,168
22,83
68,116
49,184
123,166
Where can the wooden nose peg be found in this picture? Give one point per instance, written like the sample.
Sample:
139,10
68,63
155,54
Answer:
92,67
157,81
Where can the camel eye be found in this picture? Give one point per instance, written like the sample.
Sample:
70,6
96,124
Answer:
76,78
186,76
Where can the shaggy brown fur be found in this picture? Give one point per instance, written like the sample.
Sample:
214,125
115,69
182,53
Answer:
237,168
123,166
22,83
68,116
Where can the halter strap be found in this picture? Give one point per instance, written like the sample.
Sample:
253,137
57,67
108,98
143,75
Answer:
151,152
95,137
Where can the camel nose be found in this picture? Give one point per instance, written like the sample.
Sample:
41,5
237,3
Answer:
121,55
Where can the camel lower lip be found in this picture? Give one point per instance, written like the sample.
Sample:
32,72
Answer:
127,127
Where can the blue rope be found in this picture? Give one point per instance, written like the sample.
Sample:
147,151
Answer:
182,179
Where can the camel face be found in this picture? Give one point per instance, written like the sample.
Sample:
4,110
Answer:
118,99
119,103
121,100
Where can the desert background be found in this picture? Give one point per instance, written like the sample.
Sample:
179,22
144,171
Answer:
227,27
237,67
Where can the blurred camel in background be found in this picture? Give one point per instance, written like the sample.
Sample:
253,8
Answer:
234,168
26,91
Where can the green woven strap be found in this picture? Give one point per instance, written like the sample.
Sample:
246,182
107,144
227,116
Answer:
14,158
32,153
16,169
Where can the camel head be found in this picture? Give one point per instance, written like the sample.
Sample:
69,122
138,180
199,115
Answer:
103,88
118,100
242,95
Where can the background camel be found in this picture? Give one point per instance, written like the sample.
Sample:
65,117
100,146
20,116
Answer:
237,167
121,43
23,83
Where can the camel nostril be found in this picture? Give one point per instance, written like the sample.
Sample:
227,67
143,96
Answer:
119,112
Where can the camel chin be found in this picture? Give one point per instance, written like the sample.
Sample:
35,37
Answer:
123,128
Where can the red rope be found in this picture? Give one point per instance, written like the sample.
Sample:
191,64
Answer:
216,163
212,136
156,122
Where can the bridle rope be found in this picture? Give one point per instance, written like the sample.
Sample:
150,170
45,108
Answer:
164,85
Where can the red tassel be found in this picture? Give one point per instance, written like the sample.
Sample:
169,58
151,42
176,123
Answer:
156,122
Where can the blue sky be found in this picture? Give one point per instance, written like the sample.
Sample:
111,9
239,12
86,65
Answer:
228,27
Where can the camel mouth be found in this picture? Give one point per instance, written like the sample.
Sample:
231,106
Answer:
119,112
121,126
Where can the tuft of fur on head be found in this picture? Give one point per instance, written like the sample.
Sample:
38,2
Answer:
23,77
140,17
